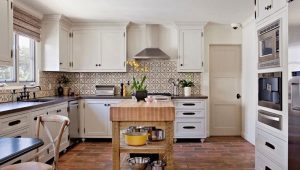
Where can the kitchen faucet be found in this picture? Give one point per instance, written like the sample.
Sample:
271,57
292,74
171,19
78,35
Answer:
26,94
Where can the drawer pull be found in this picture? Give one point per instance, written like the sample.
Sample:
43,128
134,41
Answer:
188,113
270,145
14,123
58,110
18,136
188,104
189,127
35,118
17,162
267,168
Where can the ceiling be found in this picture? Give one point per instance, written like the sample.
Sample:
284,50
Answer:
147,11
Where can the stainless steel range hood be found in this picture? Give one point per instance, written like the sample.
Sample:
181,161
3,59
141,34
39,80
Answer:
152,51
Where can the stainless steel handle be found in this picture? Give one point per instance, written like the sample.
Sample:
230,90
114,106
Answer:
270,117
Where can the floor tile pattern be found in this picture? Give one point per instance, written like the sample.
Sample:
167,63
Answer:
217,153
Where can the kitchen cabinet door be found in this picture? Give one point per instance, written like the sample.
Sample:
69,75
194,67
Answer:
190,50
86,50
96,116
64,50
113,51
266,8
55,43
6,33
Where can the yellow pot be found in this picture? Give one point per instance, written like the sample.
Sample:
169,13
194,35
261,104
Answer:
136,138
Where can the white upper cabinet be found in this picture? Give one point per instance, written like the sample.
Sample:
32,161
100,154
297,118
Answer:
113,51
265,8
190,52
56,43
100,48
86,50
6,33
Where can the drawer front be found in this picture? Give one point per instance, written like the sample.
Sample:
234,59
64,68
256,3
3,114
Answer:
190,114
13,123
190,129
60,110
24,132
272,147
190,105
263,163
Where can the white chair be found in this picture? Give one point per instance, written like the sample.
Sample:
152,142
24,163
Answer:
55,143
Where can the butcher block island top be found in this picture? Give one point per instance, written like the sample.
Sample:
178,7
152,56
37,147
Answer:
131,113
141,111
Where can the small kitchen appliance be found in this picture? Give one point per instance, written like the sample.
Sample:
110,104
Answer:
105,90
270,90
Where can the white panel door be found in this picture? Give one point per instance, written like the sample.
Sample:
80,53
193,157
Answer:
6,34
64,56
86,50
95,118
113,53
190,51
225,70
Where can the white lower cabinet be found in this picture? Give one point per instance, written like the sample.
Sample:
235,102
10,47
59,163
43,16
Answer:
190,121
263,163
271,152
23,124
95,118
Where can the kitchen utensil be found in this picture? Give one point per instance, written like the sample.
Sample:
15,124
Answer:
138,163
171,81
157,135
158,165
136,138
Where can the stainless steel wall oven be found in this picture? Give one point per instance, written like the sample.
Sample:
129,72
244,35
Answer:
269,46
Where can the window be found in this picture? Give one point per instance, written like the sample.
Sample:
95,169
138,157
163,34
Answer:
24,65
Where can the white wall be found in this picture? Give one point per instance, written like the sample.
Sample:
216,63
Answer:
249,79
216,34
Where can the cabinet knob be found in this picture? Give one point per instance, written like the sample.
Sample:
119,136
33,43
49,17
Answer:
96,65
60,63
99,65
181,65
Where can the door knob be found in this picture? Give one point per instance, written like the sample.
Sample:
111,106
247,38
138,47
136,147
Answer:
238,96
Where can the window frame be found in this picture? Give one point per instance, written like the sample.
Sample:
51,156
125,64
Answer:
33,48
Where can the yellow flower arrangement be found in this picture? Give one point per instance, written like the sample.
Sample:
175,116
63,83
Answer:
138,85
137,66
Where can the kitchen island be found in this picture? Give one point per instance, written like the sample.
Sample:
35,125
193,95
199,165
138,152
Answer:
132,113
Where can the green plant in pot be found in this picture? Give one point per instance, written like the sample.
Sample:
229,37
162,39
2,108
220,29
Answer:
187,86
138,86
64,81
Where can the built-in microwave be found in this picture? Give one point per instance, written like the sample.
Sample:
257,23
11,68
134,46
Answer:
270,90
269,46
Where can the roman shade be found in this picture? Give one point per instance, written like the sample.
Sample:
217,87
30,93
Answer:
26,24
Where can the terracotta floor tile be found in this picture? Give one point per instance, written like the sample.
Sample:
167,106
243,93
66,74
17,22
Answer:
216,153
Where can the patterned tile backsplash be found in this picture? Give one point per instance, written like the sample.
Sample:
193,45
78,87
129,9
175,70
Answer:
84,83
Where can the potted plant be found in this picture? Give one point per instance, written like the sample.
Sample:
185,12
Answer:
140,90
65,81
187,86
